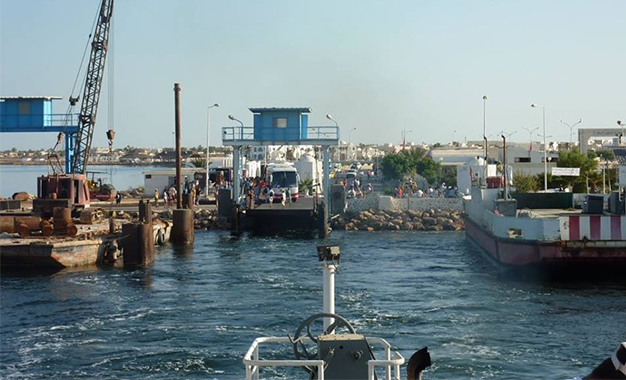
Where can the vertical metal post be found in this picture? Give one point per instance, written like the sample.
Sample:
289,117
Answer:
69,151
208,141
506,182
179,199
545,152
329,292
236,174
327,197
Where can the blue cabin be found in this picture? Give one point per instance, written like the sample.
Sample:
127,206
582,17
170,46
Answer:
280,124
27,113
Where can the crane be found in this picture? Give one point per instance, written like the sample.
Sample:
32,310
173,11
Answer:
93,85
71,189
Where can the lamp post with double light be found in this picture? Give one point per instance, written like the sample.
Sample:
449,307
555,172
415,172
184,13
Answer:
545,147
530,132
571,128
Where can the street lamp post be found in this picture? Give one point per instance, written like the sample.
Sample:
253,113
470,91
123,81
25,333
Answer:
404,133
530,132
350,140
545,147
208,144
485,126
621,124
571,127
350,135
231,117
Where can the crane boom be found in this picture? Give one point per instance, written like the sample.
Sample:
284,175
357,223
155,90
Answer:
93,85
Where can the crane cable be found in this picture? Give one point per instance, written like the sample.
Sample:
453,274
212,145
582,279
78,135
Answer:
68,114
82,62
111,87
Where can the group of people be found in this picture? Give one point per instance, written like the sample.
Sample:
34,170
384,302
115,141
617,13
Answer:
355,189
170,194
257,191
410,188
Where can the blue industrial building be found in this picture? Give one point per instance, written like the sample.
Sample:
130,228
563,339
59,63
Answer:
20,114
280,124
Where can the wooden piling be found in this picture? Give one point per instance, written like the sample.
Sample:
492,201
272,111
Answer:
182,228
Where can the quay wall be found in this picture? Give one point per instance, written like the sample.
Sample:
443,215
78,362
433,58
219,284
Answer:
387,203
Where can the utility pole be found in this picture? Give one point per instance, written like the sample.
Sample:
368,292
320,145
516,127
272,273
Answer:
179,199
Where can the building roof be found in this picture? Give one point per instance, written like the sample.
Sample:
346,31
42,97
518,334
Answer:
279,109
31,97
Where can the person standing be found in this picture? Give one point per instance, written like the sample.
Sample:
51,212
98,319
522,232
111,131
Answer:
166,201
173,194
156,198
270,194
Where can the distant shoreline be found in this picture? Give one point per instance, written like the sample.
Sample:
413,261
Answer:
44,163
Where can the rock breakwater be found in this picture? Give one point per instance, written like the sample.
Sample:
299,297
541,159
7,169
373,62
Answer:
411,220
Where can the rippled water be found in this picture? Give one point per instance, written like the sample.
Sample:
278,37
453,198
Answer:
193,313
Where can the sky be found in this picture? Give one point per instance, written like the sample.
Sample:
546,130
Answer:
378,66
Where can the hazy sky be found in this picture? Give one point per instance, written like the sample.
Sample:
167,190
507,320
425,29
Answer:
379,66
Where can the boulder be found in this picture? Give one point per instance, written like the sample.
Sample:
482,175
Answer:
418,226
23,196
428,221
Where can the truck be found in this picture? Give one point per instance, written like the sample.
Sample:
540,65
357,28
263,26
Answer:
282,177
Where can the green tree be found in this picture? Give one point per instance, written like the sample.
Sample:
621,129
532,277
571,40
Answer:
588,169
409,162
525,183
396,166
305,185
198,162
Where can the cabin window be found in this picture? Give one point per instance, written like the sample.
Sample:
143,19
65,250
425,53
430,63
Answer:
148,176
23,108
280,122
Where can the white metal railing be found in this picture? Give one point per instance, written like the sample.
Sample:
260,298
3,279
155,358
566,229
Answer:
253,362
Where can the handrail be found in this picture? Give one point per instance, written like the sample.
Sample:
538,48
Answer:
253,364
39,120
243,133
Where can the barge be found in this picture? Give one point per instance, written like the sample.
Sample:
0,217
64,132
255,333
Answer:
545,238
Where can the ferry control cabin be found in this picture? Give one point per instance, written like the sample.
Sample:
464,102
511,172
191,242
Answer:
280,126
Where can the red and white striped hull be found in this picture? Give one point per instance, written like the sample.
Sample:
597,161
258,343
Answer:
575,250
593,227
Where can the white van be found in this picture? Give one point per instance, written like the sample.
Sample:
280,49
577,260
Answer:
283,178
